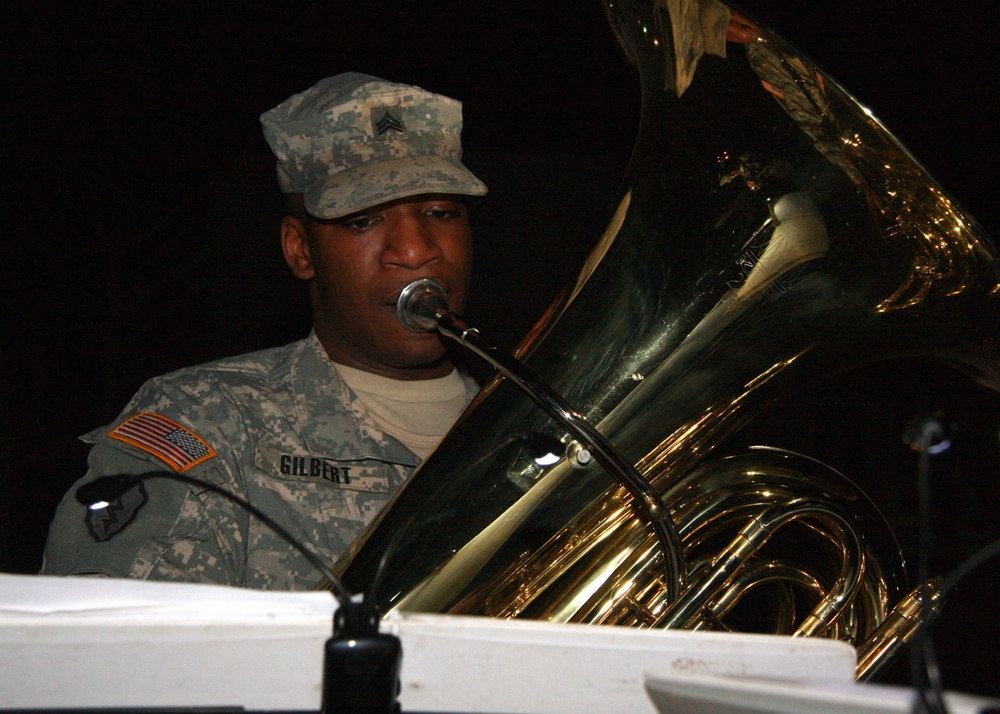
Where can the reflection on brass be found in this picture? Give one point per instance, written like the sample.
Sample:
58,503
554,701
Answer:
920,606
949,253
770,232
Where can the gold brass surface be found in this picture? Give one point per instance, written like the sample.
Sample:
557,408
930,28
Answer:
769,233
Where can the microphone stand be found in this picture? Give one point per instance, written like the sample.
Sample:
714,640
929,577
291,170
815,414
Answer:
927,436
422,306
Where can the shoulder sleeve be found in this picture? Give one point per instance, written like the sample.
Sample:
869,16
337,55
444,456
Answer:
159,528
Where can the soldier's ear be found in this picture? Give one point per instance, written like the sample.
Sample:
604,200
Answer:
295,246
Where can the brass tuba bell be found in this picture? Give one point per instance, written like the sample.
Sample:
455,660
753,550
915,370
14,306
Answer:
769,233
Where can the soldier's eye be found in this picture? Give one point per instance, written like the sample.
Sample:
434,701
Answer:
359,223
445,212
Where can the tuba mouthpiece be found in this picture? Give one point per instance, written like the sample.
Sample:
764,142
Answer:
421,304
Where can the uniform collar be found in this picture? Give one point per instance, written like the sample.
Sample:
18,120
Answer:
332,420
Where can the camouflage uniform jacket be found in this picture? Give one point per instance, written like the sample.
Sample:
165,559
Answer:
279,428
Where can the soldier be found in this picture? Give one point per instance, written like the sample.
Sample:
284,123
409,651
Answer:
320,433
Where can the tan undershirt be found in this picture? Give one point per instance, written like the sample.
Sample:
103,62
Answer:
417,412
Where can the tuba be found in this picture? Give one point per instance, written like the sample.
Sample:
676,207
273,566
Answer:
769,234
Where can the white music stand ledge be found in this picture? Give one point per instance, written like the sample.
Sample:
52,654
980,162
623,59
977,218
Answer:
95,642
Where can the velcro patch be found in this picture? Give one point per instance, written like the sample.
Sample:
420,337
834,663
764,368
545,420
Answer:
111,518
179,447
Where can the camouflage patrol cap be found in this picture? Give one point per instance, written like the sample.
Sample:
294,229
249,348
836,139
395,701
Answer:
353,141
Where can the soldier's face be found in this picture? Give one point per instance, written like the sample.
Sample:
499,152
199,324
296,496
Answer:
361,263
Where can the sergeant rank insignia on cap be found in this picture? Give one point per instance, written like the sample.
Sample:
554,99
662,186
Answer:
179,447
385,120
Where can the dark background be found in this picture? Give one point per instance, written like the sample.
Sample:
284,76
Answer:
140,225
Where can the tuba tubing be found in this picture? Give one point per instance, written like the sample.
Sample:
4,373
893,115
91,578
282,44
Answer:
769,233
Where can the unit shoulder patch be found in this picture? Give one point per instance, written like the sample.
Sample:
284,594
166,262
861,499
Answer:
107,519
176,445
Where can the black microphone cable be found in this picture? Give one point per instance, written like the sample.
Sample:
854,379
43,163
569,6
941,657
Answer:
361,666
108,488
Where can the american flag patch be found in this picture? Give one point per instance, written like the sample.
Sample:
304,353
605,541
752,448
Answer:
165,439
